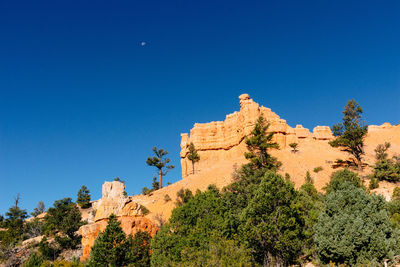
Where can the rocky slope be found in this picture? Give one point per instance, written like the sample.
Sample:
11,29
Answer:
221,147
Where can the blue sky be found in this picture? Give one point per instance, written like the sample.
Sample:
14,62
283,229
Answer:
82,101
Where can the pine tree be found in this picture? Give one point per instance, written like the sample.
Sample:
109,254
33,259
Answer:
272,223
111,246
193,156
385,168
350,134
258,145
294,147
160,163
39,209
64,218
83,198
14,223
139,249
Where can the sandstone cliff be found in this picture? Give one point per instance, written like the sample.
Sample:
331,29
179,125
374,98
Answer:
113,201
221,147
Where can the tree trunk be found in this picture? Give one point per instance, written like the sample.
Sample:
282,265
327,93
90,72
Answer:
193,166
160,175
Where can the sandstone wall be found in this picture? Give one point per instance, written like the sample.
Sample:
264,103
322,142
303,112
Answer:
223,140
128,212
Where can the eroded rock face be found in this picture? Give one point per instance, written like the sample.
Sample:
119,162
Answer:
128,212
213,139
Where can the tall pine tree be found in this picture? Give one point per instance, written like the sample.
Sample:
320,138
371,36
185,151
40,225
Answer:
193,156
350,134
110,247
160,163
258,144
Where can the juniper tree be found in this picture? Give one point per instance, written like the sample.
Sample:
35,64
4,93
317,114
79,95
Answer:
351,132
83,198
160,163
354,228
258,144
193,156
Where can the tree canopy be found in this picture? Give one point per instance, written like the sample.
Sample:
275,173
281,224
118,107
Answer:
351,132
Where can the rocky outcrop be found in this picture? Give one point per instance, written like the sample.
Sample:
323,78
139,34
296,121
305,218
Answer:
212,138
128,212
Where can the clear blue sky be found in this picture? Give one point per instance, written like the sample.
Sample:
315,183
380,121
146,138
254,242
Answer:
82,101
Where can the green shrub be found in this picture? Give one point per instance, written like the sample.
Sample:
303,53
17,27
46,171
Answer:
387,170
318,169
354,228
145,210
167,198
34,260
373,183
340,177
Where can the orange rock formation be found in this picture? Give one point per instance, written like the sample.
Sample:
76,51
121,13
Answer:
221,147
128,212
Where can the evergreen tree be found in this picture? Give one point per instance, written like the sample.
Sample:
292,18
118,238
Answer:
183,196
385,168
354,228
83,198
380,151
258,144
310,203
139,249
350,134
193,156
294,147
155,185
39,209
160,163
14,223
64,218
340,177
34,260
273,225
110,247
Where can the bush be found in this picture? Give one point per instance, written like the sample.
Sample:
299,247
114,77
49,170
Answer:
167,198
387,170
183,196
146,191
34,260
340,177
396,194
373,183
48,250
318,169
354,228
145,210
294,147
